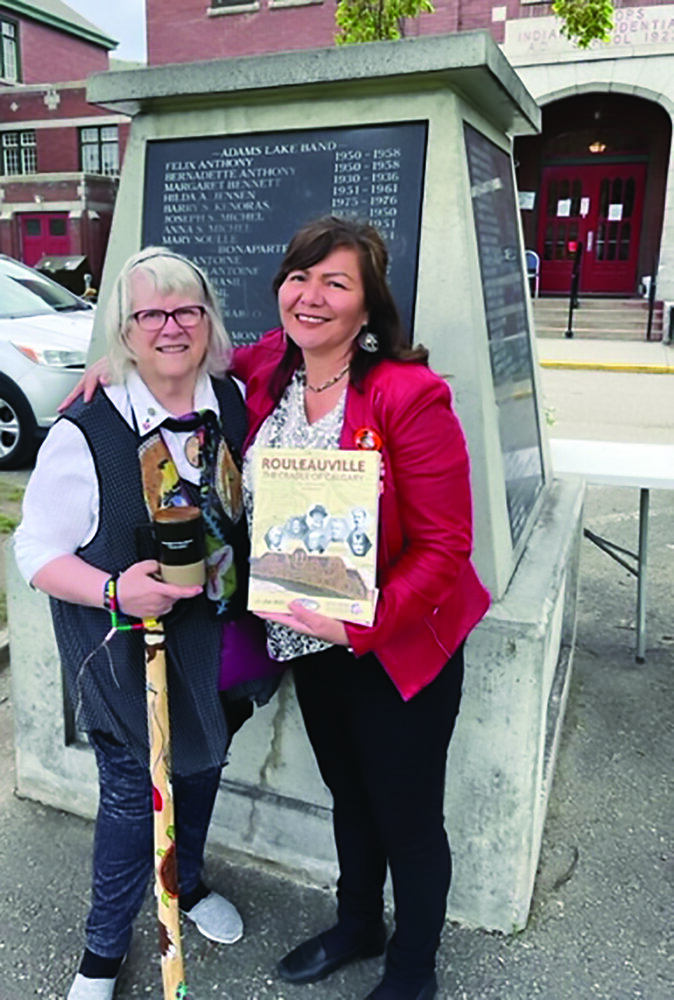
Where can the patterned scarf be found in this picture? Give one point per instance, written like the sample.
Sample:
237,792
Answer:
218,494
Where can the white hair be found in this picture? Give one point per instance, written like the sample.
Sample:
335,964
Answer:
169,272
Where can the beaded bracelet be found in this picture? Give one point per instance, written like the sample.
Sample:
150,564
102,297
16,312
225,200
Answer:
110,593
111,604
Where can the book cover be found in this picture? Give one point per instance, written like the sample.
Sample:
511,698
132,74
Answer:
314,532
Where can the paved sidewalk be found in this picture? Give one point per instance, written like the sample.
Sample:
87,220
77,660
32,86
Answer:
601,923
644,356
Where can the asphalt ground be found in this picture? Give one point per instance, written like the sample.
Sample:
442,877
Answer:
601,924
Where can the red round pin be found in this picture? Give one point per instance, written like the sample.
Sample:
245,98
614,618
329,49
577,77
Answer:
367,439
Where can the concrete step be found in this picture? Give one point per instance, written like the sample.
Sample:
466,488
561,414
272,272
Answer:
636,304
618,315
622,319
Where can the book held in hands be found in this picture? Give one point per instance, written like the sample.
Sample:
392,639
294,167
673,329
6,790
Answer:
314,534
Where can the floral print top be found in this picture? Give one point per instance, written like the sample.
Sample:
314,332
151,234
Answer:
287,427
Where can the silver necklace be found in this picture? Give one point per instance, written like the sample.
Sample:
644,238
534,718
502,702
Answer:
331,381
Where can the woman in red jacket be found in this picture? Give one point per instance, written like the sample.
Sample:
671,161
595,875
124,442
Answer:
379,703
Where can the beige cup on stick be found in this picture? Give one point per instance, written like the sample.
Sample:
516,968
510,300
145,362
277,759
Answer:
179,532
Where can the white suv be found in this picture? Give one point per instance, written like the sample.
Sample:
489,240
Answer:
45,332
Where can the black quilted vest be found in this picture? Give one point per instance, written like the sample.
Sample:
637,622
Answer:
106,684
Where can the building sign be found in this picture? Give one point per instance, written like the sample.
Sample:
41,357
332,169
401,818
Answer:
637,31
503,290
231,203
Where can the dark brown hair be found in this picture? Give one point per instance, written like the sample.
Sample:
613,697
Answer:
311,244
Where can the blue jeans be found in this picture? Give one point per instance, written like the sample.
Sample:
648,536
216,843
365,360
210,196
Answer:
123,841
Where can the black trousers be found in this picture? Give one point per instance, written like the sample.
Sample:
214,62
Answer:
384,760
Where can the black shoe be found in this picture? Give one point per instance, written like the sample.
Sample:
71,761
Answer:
309,962
427,992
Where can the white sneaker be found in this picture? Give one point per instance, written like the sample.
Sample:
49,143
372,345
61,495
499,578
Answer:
84,988
217,919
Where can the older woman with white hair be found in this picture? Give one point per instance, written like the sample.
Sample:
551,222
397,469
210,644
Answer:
163,433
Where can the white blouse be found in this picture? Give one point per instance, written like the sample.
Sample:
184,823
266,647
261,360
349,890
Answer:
60,505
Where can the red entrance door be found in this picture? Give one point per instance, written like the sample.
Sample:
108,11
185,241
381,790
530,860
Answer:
601,207
44,234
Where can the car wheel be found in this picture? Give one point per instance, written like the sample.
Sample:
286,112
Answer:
18,440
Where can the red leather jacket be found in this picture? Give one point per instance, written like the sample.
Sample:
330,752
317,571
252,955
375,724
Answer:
430,596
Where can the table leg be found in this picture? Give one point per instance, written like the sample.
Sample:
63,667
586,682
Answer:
641,578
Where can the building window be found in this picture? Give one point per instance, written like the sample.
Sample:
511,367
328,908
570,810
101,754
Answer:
223,6
293,3
9,50
19,152
99,149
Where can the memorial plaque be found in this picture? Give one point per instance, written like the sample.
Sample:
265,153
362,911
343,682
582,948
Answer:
231,203
504,291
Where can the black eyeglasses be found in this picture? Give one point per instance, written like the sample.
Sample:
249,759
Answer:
154,320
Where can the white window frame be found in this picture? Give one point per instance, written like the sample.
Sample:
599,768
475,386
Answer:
9,50
19,152
99,150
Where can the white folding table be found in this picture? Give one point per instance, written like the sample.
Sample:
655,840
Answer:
612,463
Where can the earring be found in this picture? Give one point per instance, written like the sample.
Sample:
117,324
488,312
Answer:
368,341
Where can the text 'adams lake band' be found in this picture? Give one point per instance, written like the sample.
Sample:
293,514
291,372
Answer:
232,206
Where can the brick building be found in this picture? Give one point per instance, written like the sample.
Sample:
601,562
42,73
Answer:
59,155
599,172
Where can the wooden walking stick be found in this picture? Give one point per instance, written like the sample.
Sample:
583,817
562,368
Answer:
165,860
